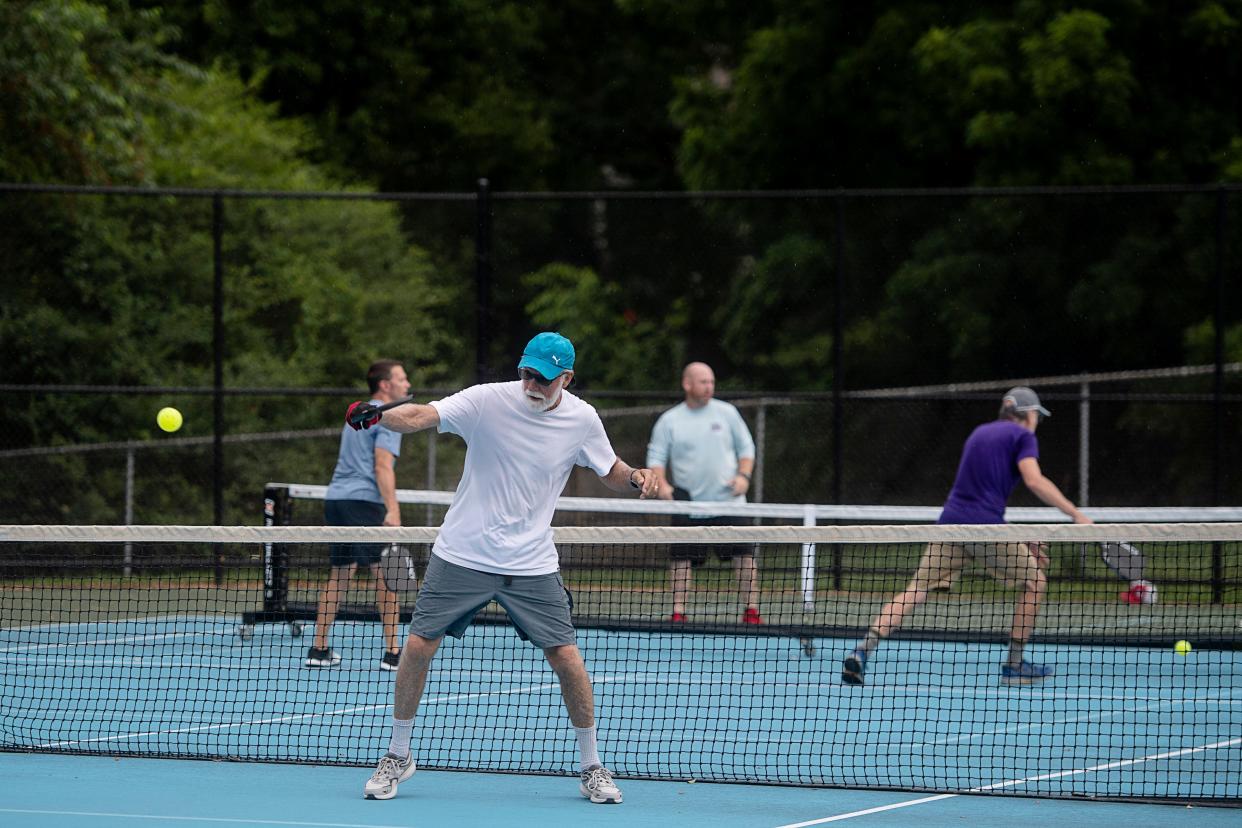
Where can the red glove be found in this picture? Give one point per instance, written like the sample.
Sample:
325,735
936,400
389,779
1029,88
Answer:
362,415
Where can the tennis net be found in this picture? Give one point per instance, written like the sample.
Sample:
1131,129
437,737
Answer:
178,658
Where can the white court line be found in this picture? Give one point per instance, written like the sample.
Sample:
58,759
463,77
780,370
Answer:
151,663
154,620
880,809
1121,763
305,716
899,689
1155,757
203,728
96,641
1090,717
636,678
226,820
133,619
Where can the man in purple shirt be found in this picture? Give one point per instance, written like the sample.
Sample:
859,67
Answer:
996,456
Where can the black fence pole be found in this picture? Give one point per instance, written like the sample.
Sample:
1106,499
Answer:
217,348
838,383
483,280
1218,391
838,357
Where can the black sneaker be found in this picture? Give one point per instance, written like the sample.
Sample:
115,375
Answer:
322,658
854,668
390,661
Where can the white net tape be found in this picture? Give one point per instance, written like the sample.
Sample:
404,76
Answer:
1059,533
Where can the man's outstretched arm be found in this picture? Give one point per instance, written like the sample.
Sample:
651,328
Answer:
1047,491
623,477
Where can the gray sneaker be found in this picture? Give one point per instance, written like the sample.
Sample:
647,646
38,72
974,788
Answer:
596,785
391,771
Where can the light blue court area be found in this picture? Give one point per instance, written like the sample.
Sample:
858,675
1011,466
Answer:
1115,721
42,791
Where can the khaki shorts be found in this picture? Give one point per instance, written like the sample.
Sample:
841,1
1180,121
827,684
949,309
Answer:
1012,564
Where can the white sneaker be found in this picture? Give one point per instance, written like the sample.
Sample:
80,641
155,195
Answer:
391,771
597,786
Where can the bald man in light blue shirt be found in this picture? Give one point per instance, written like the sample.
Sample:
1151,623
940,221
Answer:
704,446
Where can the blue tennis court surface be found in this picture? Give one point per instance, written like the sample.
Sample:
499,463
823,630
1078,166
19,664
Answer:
44,791
1115,721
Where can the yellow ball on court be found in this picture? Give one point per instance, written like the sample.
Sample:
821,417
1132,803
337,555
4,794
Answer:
1182,648
169,419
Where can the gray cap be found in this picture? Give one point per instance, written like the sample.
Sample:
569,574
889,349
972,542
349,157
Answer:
1023,399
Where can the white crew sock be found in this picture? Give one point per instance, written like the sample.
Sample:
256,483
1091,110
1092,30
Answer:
401,731
588,750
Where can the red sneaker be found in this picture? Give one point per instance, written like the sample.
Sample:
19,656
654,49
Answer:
678,618
751,616
1140,592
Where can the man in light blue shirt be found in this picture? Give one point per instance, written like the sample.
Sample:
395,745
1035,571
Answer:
363,492
703,445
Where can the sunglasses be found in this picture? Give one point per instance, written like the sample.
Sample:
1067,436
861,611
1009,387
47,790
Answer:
536,377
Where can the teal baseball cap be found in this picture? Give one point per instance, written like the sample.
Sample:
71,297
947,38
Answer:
548,353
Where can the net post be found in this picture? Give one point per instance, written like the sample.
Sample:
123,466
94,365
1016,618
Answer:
808,562
277,510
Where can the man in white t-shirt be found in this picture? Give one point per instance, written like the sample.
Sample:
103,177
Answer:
522,440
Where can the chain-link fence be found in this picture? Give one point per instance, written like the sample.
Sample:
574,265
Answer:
1148,444
210,300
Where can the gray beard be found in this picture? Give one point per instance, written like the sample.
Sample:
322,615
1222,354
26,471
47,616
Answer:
536,405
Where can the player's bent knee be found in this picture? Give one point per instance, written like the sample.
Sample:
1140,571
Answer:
563,655
420,646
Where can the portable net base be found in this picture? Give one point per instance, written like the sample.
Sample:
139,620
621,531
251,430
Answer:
175,659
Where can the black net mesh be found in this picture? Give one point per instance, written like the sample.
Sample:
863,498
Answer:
199,652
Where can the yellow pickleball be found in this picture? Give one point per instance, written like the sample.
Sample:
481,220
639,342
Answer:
168,419
1182,648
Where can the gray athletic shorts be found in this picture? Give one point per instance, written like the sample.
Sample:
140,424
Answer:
538,605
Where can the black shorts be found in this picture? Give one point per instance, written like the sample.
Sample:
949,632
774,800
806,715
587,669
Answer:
354,513
696,553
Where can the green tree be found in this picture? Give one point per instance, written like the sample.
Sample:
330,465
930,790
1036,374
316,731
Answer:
317,288
620,349
912,94
418,96
116,289
780,341
78,79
